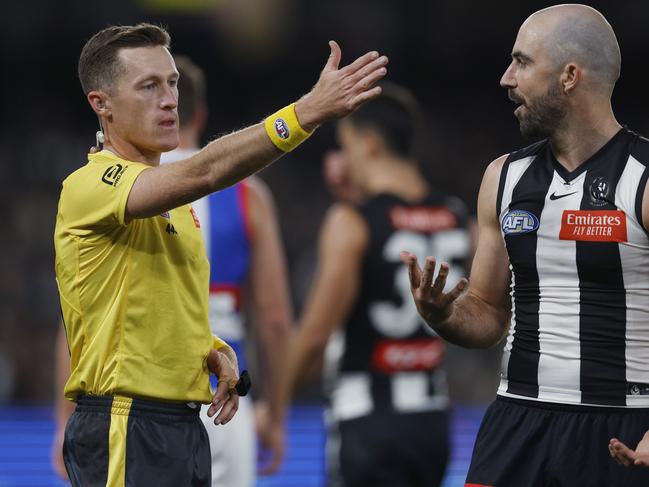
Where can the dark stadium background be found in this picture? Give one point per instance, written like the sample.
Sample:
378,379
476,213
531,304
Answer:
258,55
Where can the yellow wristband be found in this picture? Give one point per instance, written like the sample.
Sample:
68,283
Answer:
284,129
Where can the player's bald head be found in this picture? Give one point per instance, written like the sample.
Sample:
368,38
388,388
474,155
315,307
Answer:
581,35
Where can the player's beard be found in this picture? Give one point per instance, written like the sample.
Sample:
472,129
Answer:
543,114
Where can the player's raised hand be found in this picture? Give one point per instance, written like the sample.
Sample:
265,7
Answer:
433,304
339,91
624,455
226,399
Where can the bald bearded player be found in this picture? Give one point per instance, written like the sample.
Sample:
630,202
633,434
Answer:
564,226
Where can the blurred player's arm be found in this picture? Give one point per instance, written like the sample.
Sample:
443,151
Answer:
273,316
232,158
62,407
480,317
342,244
620,452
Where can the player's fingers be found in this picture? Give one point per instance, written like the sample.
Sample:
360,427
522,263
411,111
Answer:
359,63
334,57
457,290
364,97
427,274
414,272
440,282
272,467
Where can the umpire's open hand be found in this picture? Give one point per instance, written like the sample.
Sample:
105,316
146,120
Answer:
226,399
433,304
624,455
339,91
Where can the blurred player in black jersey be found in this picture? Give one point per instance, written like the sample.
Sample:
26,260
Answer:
388,403
563,227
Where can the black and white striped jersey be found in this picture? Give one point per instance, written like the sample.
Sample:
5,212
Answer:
579,256
387,360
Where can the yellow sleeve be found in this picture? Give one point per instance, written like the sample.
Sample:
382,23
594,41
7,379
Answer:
217,343
95,196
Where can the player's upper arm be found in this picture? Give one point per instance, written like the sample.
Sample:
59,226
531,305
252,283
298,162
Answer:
268,275
490,275
341,250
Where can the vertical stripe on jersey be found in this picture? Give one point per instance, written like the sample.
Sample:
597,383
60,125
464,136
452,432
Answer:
559,297
602,315
510,175
528,195
639,199
635,269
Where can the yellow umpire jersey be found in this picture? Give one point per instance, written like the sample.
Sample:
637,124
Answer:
133,295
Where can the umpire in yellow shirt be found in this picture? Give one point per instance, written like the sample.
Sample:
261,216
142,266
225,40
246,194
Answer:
131,266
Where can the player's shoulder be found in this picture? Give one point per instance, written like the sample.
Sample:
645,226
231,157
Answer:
495,168
527,151
344,227
639,147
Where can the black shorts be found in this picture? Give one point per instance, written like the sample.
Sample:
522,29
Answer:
400,450
123,442
534,444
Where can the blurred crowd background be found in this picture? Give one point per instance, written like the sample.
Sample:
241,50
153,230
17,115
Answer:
258,56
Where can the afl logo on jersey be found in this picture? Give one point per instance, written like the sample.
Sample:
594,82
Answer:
281,128
519,221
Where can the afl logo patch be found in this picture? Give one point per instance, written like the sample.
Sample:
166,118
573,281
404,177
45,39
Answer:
519,221
281,128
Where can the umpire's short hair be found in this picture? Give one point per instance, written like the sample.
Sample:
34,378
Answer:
99,62
395,115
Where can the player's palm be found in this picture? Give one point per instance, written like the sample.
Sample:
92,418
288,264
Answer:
433,304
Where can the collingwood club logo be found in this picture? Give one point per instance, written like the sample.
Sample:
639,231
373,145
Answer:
599,190
113,174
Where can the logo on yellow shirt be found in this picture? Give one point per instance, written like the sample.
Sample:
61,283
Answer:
113,174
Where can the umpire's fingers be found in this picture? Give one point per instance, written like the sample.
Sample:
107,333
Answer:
219,399
414,272
229,409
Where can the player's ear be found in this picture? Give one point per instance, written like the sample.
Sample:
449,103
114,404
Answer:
570,77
